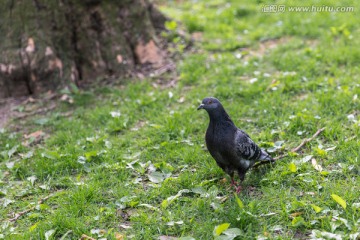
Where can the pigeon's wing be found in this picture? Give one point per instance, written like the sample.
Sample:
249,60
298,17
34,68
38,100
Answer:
246,149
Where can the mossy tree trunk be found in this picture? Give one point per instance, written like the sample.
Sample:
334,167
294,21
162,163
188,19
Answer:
47,44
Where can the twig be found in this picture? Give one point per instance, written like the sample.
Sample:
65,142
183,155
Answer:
41,201
306,140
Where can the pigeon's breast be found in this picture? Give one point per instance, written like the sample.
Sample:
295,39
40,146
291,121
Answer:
219,143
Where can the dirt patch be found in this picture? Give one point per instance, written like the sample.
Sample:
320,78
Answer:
6,109
265,46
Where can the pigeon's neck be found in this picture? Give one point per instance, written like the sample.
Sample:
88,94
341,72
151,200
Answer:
220,115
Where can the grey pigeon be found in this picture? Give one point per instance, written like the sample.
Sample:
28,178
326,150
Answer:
232,148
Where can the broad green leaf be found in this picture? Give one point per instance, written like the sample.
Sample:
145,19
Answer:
224,237
171,199
89,155
186,238
239,202
12,150
27,155
221,228
156,177
339,200
33,227
234,232
292,167
316,208
298,221
50,155
324,173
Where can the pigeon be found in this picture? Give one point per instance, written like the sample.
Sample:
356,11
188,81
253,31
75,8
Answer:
231,147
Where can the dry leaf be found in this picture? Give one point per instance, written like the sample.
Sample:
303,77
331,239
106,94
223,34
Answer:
86,237
35,135
48,51
197,36
33,138
181,100
119,236
295,214
315,165
119,58
66,98
31,46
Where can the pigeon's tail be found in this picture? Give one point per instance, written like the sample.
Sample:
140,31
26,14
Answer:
265,156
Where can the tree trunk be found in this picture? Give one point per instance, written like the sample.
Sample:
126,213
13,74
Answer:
47,44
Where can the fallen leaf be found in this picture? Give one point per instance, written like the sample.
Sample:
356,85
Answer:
49,233
36,134
156,177
66,98
7,202
171,199
30,48
316,208
220,228
119,236
119,58
339,200
292,167
315,165
297,221
295,214
12,151
86,237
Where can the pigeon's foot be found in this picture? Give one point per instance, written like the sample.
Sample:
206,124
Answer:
238,189
236,185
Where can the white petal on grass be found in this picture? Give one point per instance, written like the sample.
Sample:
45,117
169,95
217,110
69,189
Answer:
32,179
49,233
7,202
253,80
115,114
10,165
351,117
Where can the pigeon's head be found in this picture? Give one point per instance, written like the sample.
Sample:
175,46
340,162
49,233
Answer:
209,104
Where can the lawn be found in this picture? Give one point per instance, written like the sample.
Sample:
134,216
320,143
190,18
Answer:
128,161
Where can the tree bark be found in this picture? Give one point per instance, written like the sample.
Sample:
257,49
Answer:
48,44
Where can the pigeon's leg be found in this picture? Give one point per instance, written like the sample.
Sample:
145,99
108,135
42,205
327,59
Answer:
236,185
238,189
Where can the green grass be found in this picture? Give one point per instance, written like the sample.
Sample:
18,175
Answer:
281,76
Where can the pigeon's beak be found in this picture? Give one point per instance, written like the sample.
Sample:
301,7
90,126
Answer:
200,107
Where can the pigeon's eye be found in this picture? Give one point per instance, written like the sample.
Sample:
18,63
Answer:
210,102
